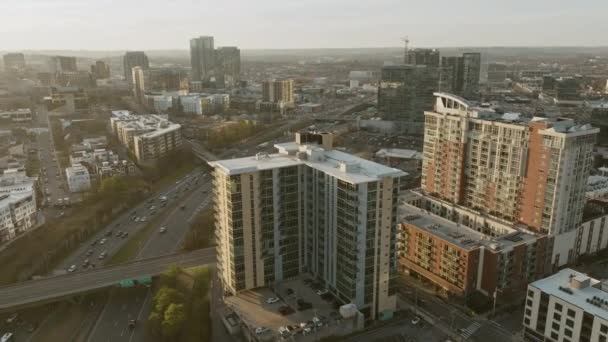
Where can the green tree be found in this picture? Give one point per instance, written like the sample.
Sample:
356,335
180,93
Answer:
165,297
154,321
169,277
174,319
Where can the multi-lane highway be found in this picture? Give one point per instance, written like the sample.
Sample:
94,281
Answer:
60,286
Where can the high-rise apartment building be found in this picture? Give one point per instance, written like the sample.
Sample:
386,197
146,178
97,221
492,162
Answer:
100,70
465,72
138,84
202,58
63,64
228,66
522,170
567,306
502,192
133,59
428,57
166,79
406,91
278,91
309,208
497,73
14,62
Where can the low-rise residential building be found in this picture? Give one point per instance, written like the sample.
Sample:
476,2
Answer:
113,168
17,115
17,203
78,178
148,137
566,307
205,104
597,186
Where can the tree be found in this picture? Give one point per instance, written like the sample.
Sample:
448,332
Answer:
174,319
169,277
154,321
165,297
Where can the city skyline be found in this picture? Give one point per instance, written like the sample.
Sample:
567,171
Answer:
340,24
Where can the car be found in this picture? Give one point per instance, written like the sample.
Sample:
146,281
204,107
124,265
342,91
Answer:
132,323
183,207
284,332
162,230
306,331
152,208
317,322
290,291
272,300
162,205
102,255
261,330
108,233
322,292
125,234
7,337
94,243
12,318
119,233
142,219
285,310
72,268
416,320
103,241
90,252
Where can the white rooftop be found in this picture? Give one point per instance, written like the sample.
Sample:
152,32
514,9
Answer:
563,286
341,165
399,153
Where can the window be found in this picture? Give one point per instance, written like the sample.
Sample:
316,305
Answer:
570,323
557,317
571,313
528,312
604,328
602,338
529,302
568,332
530,293
554,336
526,321
555,326
558,307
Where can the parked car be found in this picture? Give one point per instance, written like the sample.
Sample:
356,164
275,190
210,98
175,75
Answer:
285,310
261,330
162,230
72,268
415,320
272,300
103,241
322,292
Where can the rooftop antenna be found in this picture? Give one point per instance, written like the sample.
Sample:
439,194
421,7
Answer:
406,40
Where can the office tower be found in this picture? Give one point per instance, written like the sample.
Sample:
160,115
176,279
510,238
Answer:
497,73
63,64
406,91
133,59
80,79
567,306
465,73
228,66
471,70
567,89
428,57
100,70
278,91
522,170
14,62
166,79
309,208
139,84
202,58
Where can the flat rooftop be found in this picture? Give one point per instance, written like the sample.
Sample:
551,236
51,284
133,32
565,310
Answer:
458,234
338,164
563,286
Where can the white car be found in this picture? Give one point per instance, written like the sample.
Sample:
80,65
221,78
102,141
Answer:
142,219
322,292
72,268
162,230
102,241
272,300
261,330
416,320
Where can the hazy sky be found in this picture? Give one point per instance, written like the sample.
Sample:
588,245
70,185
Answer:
168,24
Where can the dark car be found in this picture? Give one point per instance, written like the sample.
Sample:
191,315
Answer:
290,291
285,310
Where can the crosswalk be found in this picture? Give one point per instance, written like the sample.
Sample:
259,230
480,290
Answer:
470,330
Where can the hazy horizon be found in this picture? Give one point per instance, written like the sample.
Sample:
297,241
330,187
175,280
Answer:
94,25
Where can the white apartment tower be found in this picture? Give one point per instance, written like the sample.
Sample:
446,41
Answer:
312,209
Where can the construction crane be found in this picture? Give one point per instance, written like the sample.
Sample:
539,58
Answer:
406,40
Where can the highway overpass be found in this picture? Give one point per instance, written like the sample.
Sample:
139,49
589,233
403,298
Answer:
54,288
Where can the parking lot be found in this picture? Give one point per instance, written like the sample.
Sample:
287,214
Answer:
299,312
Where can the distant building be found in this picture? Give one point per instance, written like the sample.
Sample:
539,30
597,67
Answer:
202,58
428,57
63,64
100,70
228,66
278,91
81,79
14,62
497,73
133,59
362,76
465,73
73,99
148,137
138,84
166,79
18,115
567,306
205,104
406,91
78,178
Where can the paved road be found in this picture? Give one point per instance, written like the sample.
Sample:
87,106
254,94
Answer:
176,192
113,322
59,286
